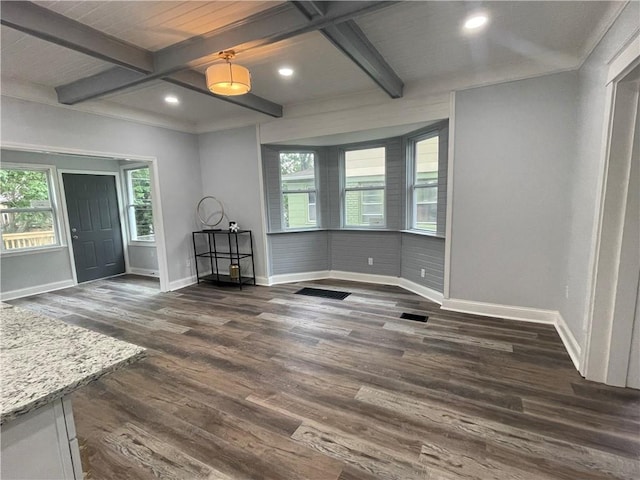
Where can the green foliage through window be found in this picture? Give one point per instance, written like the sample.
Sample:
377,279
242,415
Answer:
140,208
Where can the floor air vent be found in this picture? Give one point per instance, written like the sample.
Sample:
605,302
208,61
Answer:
319,292
417,318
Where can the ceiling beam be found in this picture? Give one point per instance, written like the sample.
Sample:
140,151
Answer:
47,25
195,81
270,26
352,41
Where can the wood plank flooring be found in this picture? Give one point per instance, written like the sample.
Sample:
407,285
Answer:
265,384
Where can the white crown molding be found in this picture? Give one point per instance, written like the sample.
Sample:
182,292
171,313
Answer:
26,292
598,33
47,96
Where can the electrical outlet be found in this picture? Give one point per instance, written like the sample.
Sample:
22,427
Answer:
370,261
422,272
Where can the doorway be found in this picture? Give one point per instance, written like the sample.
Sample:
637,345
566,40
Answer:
94,222
612,355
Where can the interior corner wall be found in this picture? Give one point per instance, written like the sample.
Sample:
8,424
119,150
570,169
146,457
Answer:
514,148
178,165
587,166
230,171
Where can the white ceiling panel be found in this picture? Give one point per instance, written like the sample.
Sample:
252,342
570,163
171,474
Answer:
154,25
194,107
30,59
422,40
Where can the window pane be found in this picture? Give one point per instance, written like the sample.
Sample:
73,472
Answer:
312,207
27,230
297,210
24,189
426,152
297,171
427,195
364,168
361,213
143,223
140,186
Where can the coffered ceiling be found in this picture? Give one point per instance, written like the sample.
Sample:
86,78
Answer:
422,42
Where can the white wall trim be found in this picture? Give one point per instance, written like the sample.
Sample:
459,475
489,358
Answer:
145,272
509,312
421,290
262,281
569,340
183,282
26,292
449,214
298,277
625,60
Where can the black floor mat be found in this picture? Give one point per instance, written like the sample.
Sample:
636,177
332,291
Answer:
319,292
417,318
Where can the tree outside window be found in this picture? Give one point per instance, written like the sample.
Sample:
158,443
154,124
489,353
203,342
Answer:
425,184
26,207
139,208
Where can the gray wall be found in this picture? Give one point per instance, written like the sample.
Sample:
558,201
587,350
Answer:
177,156
299,252
350,251
587,164
144,257
422,251
514,145
230,171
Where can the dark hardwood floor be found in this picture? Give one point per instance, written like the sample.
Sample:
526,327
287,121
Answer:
265,384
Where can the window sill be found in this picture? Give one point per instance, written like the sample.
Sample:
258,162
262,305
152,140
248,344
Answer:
33,251
138,243
298,230
424,233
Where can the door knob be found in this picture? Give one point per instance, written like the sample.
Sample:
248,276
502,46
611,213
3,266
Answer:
75,237
74,230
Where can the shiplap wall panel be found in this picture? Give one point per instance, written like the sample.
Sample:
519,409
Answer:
443,164
299,252
271,171
422,251
351,249
395,181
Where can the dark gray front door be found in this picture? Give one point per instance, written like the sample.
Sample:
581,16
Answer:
92,203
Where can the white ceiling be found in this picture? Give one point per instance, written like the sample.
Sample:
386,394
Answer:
421,40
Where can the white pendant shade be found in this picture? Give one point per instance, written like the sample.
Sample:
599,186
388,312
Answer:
228,79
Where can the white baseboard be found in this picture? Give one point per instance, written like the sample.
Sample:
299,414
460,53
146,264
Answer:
421,290
509,312
523,314
416,288
183,282
262,281
145,272
570,342
26,292
297,277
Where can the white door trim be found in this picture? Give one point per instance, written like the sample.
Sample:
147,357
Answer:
155,182
596,361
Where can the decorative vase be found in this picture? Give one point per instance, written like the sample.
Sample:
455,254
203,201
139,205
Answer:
234,272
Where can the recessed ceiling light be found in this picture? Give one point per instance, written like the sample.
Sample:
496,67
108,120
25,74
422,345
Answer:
476,21
286,71
172,99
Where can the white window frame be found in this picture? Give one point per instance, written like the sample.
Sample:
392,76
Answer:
414,186
130,206
315,206
54,208
302,190
345,189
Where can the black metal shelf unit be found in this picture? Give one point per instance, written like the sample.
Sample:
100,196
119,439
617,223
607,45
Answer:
223,251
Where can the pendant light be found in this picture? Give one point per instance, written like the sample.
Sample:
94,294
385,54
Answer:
228,79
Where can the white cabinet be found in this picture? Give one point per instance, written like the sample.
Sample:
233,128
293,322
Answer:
41,445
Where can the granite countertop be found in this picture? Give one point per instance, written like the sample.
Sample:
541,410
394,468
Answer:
42,359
